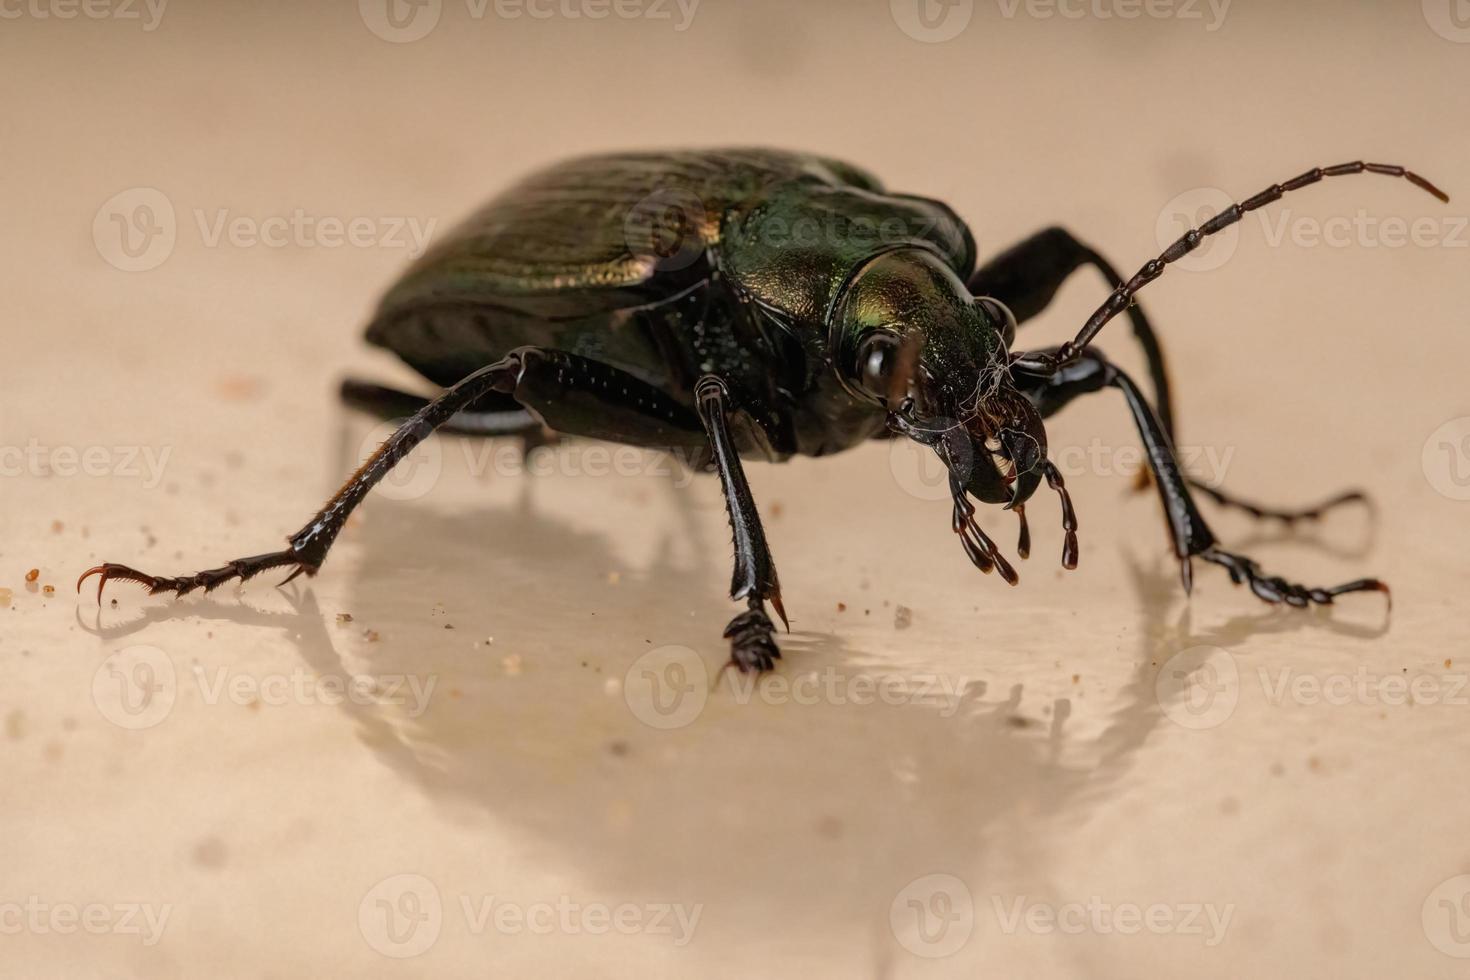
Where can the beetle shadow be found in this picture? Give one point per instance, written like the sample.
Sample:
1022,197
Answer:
534,742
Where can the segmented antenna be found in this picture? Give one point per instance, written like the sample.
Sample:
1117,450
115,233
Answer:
1117,302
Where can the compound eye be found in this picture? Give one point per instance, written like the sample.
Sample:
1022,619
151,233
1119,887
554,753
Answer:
1001,314
877,360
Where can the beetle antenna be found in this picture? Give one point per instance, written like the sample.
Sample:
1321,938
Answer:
1069,516
1122,296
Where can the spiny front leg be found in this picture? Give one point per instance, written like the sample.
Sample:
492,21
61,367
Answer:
243,569
751,634
309,546
1192,537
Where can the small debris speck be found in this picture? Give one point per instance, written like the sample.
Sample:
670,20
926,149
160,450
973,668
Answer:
49,589
842,607
618,747
903,617
613,578
33,574
511,664
344,617
57,527
370,635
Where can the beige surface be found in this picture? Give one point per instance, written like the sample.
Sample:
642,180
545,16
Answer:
270,823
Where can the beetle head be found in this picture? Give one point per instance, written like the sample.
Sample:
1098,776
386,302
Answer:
909,337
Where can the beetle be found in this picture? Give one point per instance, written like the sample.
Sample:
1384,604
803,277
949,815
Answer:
752,304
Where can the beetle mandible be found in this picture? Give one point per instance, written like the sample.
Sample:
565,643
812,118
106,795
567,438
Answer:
572,303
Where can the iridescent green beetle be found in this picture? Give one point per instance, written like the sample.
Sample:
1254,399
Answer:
760,304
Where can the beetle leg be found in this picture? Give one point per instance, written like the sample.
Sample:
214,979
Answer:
309,545
1026,278
1192,537
393,405
752,646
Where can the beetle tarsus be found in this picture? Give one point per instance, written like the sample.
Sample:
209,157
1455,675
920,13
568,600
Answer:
1274,589
752,643
208,580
